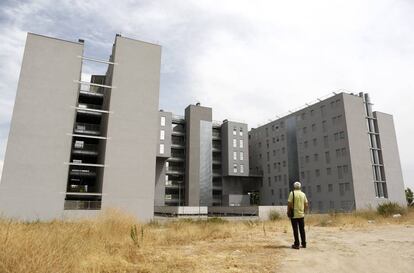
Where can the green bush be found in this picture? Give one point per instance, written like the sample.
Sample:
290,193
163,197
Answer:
274,215
390,208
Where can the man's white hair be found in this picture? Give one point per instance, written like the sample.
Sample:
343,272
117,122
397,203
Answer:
297,185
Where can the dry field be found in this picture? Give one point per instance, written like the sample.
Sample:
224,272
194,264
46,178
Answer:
118,243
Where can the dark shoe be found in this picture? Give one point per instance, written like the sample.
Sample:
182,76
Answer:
304,246
295,246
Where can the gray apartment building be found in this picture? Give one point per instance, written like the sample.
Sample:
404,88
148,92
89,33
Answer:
201,162
76,147
345,155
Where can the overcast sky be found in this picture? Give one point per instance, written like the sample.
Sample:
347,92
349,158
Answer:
249,60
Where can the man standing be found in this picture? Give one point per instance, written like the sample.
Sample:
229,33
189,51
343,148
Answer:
299,203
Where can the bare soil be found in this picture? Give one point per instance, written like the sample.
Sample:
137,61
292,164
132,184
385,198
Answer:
384,248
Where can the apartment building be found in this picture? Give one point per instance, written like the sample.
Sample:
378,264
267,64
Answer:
75,147
345,155
201,162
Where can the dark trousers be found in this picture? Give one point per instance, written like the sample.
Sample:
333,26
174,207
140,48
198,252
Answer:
299,223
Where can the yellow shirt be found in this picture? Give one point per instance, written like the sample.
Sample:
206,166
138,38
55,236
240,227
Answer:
299,205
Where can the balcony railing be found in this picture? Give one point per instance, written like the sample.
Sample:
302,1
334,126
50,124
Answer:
87,128
89,106
82,172
82,205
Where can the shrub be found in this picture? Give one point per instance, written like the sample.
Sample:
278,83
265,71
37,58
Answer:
274,215
390,208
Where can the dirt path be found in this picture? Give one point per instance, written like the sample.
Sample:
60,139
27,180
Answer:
372,249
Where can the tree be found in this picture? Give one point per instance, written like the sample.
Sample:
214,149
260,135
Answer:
409,196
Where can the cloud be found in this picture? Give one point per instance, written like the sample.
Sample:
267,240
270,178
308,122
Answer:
249,61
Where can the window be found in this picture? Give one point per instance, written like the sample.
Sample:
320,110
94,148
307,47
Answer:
330,187
336,136
345,168
242,168
304,129
338,153
234,155
241,143
327,157
235,143
269,182
284,163
235,168
318,188
283,150
342,135
313,127
343,152
340,174
273,192
241,132
312,112
305,144
328,171
315,141
161,148
324,126
325,142
315,157
323,110
317,172
320,205
241,156
282,137
307,159
234,131
162,134
162,121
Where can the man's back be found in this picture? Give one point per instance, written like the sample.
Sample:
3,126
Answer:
299,203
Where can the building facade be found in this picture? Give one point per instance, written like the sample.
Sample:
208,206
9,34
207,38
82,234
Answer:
201,162
345,155
76,147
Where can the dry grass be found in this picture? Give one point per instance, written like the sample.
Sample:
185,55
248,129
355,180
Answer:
105,244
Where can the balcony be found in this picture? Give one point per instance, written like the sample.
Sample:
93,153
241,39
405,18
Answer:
177,146
216,135
174,170
89,150
82,205
87,129
176,159
216,148
82,172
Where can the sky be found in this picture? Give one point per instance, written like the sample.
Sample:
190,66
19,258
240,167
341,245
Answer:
249,60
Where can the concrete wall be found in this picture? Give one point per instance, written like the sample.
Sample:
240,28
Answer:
34,174
359,152
167,134
133,128
194,115
227,137
391,158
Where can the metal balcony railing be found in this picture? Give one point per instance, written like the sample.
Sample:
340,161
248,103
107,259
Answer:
89,106
82,173
87,128
82,205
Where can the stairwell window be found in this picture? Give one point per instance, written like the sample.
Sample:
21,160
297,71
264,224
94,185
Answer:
161,148
241,156
241,143
162,121
241,168
234,143
162,135
235,168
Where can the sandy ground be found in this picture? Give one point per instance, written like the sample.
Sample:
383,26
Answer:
378,249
